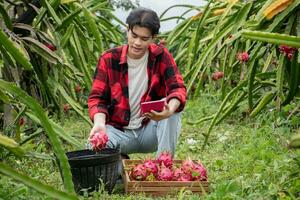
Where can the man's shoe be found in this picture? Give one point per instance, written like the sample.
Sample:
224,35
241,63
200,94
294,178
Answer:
124,156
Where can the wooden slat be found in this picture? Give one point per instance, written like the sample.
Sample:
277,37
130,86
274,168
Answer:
157,193
166,189
168,183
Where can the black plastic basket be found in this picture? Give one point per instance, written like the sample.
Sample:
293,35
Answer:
90,169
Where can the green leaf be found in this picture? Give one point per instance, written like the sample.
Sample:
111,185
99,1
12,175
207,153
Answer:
40,113
262,103
274,38
6,18
8,142
69,19
52,12
66,36
11,145
93,28
38,186
43,50
59,131
4,97
205,53
14,51
72,103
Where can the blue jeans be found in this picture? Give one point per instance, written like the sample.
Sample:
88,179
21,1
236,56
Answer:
155,136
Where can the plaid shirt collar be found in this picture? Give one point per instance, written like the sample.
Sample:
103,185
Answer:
154,50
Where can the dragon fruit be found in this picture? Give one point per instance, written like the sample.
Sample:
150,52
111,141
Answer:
177,174
187,165
217,75
165,174
151,167
199,172
180,175
99,140
165,158
138,172
287,50
243,57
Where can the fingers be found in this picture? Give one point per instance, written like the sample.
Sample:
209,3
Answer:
97,128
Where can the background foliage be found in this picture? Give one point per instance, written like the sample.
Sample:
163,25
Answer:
240,62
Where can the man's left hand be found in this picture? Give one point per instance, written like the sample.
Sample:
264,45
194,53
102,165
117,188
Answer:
169,110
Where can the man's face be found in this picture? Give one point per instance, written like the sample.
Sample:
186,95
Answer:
139,39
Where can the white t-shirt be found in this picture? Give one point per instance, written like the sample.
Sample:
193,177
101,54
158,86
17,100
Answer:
137,86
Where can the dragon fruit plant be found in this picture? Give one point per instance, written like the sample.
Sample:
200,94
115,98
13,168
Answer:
99,140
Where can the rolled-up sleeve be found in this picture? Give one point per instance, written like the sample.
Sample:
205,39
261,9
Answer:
175,87
99,95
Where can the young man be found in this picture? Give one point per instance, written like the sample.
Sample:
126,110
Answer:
133,73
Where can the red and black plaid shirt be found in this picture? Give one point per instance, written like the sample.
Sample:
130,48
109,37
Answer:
109,93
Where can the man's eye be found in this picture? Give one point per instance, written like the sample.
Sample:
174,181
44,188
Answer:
145,39
134,36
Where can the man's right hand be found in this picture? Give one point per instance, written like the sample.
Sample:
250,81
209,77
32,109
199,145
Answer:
97,128
99,124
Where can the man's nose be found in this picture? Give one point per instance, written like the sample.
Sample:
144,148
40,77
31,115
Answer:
138,41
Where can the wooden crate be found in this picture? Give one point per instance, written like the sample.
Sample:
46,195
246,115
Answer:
160,187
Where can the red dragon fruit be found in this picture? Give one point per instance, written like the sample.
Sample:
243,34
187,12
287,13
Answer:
50,46
217,75
78,88
138,172
199,172
287,50
180,175
151,167
243,56
187,165
66,107
99,140
165,174
165,158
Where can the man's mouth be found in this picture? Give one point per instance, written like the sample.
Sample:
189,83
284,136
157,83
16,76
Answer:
136,49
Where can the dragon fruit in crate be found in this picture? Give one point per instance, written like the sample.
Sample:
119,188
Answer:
187,165
99,140
180,175
199,172
165,158
165,174
151,167
138,172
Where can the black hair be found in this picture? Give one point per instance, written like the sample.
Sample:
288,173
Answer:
144,17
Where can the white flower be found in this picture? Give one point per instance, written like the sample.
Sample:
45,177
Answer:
191,141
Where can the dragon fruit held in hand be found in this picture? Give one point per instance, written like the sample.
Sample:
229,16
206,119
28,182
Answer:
165,174
99,140
165,158
138,172
151,167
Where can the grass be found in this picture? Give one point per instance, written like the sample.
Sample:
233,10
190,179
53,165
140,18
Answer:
246,158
